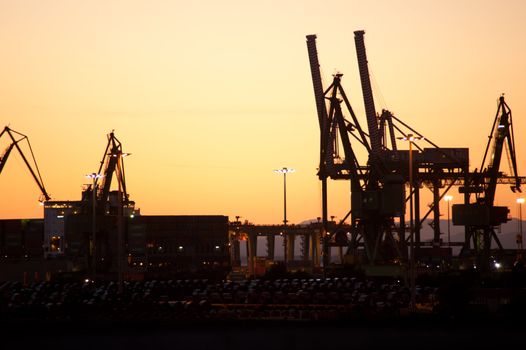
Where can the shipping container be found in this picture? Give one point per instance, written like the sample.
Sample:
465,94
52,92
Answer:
152,242
21,238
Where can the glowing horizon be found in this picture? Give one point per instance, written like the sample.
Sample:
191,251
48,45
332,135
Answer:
211,97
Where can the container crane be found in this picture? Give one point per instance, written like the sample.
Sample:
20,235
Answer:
16,138
481,217
378,187
372,186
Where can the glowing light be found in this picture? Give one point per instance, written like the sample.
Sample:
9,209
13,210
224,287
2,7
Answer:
448,198
520,200
284,170
117,154
411,137
94,176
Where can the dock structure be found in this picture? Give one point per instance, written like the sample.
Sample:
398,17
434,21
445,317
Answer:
386,186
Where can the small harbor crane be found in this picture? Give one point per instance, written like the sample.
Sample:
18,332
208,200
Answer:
16,138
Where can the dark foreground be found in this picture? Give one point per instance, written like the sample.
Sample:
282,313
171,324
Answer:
356,313
406,334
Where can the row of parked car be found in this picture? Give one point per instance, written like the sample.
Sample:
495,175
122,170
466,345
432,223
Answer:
203,299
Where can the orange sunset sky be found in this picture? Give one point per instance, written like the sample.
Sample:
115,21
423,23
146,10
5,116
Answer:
211,96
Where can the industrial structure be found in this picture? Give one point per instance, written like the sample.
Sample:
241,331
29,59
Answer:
390,178
97,201
21,238
15,139
103,232
482,216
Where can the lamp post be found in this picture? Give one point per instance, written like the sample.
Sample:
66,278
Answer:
448,200
411,138
120,224
284,171
94,177
233,242
520,201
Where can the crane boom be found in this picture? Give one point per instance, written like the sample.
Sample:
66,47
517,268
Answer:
502,133
316,79
14,144
5,156
112,156
321,109
370,112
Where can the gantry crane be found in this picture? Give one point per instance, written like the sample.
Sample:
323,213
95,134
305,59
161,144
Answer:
378,188
16,138
372,184
481,217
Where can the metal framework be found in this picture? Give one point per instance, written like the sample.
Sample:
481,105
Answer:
16,138
481,217
102,204
113,163
378,187
372,185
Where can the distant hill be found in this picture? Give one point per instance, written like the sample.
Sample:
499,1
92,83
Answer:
506,233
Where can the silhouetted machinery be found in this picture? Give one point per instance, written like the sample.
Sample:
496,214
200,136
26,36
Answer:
21,238
481,216
378,187
110,207
16,138
110,165
372,186
86,230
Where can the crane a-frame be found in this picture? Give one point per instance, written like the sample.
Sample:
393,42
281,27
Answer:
17,138
378,187
481,217
377,194
112,161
